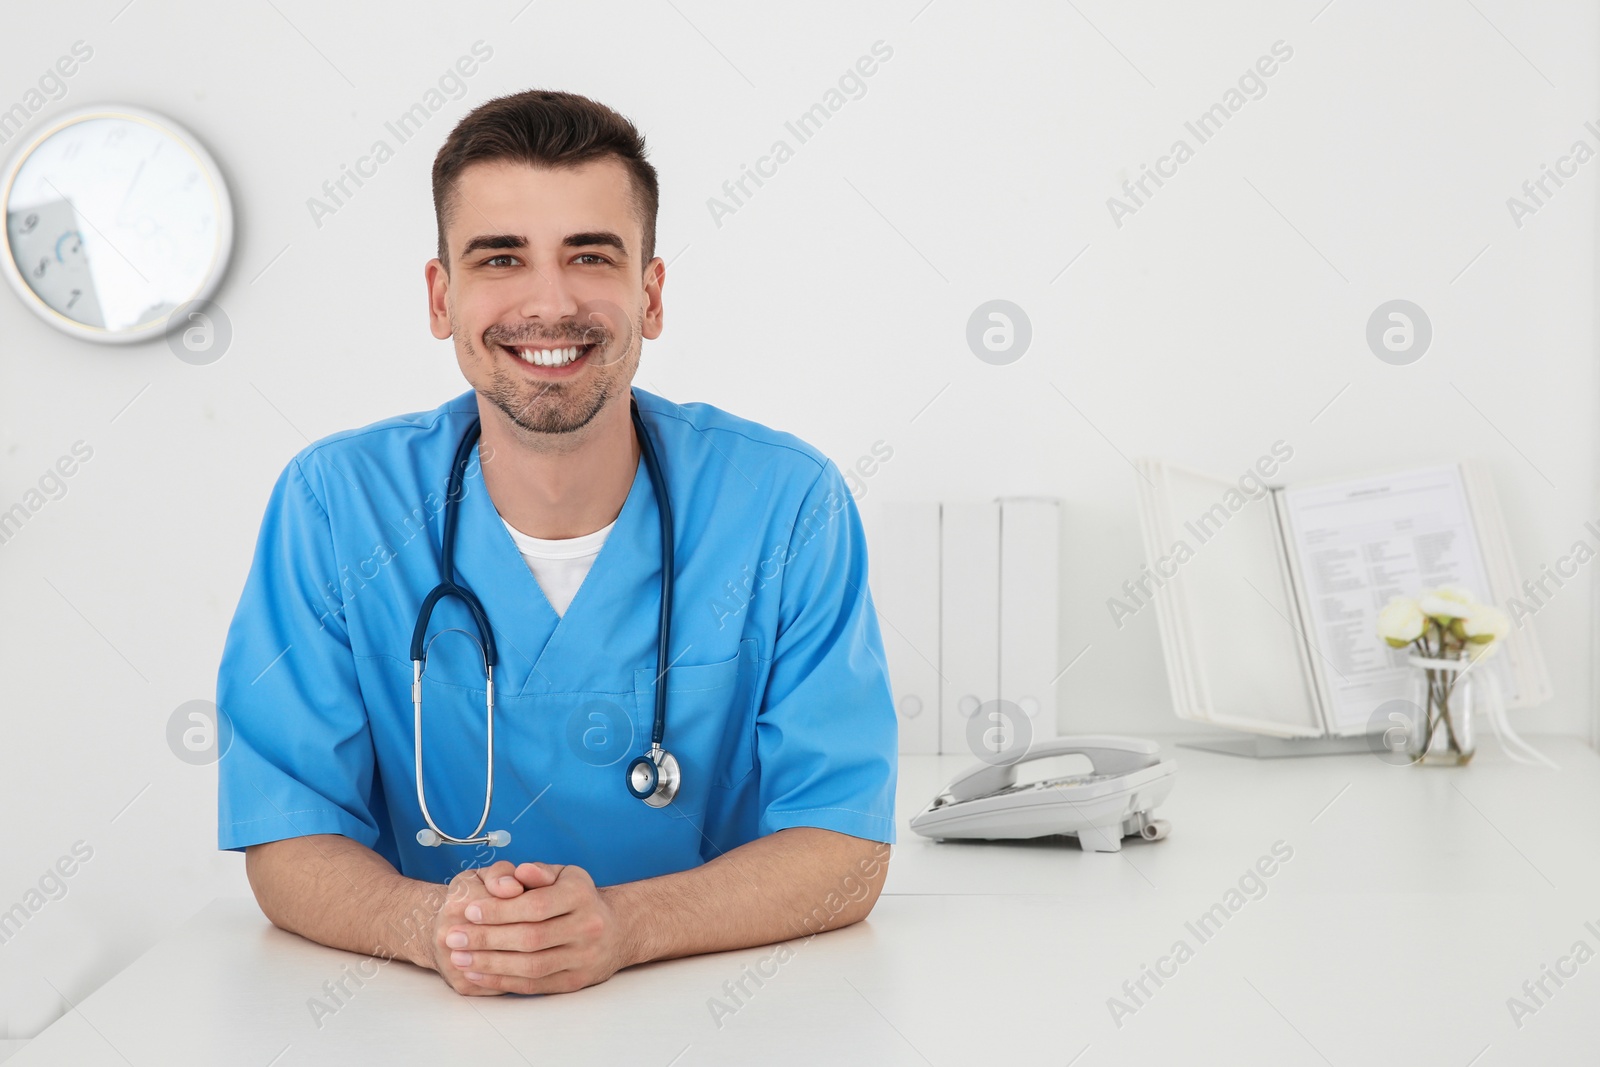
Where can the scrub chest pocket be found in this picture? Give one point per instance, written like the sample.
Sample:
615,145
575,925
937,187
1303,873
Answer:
710,720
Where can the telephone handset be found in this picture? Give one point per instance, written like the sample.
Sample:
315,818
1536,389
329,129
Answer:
1129,779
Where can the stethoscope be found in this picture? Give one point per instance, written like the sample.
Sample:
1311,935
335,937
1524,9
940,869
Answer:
652,777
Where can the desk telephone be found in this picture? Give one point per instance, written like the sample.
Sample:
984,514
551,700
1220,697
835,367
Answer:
1129,779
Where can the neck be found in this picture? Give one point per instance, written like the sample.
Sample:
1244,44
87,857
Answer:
557,486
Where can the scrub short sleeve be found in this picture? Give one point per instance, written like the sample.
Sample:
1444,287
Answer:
301,758
826,734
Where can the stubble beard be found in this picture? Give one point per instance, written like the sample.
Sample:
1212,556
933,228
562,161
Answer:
552,407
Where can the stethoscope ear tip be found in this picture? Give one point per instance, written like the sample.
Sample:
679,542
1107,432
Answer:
428,838
499,838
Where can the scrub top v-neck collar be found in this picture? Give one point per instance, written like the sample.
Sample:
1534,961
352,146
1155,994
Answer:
541,651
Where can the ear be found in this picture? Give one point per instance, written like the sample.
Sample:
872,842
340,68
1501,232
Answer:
438,298
655,276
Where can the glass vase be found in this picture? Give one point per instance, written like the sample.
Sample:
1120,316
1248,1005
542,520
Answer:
1442,692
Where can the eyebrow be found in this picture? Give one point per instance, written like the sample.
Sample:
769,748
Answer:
502,241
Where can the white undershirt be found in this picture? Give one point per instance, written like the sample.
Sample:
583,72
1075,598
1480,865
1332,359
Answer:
559,565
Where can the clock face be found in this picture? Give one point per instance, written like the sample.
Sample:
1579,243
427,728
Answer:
114,220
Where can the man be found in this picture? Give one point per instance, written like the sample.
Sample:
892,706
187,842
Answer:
778,712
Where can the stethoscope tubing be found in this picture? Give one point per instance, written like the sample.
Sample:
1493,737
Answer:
663,775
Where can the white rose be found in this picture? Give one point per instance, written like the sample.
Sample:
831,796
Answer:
1484,624
1447,602
1400,622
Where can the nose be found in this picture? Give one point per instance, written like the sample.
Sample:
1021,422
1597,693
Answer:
548,298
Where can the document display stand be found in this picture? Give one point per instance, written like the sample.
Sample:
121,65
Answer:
1267,599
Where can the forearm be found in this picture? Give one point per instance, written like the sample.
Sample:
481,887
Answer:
789,884
340,893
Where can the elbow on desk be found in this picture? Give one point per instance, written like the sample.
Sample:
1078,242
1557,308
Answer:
874,889
854,891
263,870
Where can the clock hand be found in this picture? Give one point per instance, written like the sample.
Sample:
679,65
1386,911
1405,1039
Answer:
129,193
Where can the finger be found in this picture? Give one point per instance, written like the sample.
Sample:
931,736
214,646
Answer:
500,879
533,905
507,983
474,989
538,875
504,886
565,979
517,964
498,869
518,937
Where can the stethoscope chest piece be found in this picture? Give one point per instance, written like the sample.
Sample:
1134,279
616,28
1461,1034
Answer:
654,778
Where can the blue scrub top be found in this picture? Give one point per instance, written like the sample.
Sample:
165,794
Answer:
779,708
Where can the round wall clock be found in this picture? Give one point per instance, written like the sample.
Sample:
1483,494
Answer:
115,218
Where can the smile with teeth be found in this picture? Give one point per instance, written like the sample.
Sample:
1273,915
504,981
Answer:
549,357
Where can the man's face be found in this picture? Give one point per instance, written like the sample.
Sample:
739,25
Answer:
545,297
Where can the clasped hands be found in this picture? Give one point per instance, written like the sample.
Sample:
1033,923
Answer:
529,928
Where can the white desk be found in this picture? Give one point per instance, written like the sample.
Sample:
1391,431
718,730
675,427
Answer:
1415,903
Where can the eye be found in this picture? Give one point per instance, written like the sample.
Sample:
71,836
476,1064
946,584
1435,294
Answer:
594,256
491,259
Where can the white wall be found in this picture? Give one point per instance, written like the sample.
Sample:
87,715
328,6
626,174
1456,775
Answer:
1221,317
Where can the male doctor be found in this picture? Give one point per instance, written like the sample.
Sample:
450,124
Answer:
778,705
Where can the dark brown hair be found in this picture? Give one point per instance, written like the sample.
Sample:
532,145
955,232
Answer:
544,128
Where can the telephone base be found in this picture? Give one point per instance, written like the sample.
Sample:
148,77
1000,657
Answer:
1128,781
1109,838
